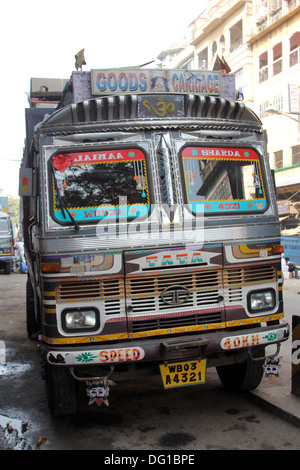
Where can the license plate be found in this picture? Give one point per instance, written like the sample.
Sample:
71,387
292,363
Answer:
179,374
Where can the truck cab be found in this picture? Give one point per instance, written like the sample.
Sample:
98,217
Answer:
152,237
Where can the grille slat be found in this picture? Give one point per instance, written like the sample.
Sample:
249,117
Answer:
249,274
177,321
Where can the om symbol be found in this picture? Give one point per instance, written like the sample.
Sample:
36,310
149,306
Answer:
162,108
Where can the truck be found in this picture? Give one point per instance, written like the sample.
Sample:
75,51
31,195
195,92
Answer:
6,243
152,235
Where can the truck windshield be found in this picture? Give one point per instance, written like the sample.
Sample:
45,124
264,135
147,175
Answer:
93,185
4,227
219,180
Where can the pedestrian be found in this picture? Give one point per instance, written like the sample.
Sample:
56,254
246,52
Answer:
293,268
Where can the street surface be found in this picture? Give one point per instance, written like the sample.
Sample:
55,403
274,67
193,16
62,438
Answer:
141,416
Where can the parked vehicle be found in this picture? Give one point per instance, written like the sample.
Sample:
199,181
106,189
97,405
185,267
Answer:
6,243
152,236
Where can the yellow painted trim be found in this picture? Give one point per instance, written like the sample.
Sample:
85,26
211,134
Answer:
181,329
85,339
246,249
49,310
160,332
250,321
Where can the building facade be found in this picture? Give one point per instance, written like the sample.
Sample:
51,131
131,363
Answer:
260,41
276,79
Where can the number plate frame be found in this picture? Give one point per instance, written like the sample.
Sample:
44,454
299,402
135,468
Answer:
180,374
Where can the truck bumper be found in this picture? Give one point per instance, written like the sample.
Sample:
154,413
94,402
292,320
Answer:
210,345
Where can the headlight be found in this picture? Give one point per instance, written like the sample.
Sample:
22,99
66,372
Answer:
7,250
80,319
261,300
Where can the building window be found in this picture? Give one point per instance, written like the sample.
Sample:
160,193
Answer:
236,36
291,4
262,109
278,102
239,78
222,44
275,8
295,155
214,48
295,49
278,159
263,67
277,59
203,59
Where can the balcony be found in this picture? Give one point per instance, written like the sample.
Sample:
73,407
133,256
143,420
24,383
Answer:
272,14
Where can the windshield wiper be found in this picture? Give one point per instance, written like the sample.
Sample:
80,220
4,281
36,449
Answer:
63,206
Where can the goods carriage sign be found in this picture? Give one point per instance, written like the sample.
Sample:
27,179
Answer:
154,81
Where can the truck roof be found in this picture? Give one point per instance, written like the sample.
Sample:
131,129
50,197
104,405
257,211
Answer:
128,99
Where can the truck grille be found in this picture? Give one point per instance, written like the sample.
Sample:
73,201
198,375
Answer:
144,294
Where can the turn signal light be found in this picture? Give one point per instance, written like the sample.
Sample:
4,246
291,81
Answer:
277,249
50,267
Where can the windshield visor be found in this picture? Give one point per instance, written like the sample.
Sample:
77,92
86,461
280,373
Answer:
91,186
220,180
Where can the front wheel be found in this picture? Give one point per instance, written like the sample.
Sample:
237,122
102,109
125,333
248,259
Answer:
244,376
61,391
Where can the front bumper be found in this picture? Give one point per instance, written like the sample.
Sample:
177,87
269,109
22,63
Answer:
165,349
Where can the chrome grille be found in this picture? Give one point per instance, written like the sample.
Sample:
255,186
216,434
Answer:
111,291
144,294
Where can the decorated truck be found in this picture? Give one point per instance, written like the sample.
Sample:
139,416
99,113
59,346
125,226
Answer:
152,235
6,243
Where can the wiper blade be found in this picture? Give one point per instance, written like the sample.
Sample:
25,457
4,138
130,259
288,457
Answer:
63,206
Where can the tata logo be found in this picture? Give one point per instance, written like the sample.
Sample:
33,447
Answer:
175,295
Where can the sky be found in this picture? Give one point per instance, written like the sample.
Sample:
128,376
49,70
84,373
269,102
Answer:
40,39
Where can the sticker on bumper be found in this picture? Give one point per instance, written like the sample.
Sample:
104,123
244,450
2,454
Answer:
254,339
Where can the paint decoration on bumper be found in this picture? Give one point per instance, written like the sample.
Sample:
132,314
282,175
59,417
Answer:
101,356
255,339
135,354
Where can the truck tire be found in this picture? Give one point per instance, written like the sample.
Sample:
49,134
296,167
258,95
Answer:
61,391
31,323
244,376
7,267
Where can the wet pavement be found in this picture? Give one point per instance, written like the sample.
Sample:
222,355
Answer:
25,422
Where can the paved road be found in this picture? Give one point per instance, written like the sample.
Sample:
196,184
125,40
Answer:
141,415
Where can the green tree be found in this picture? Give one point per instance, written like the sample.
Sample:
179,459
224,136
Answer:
13,208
